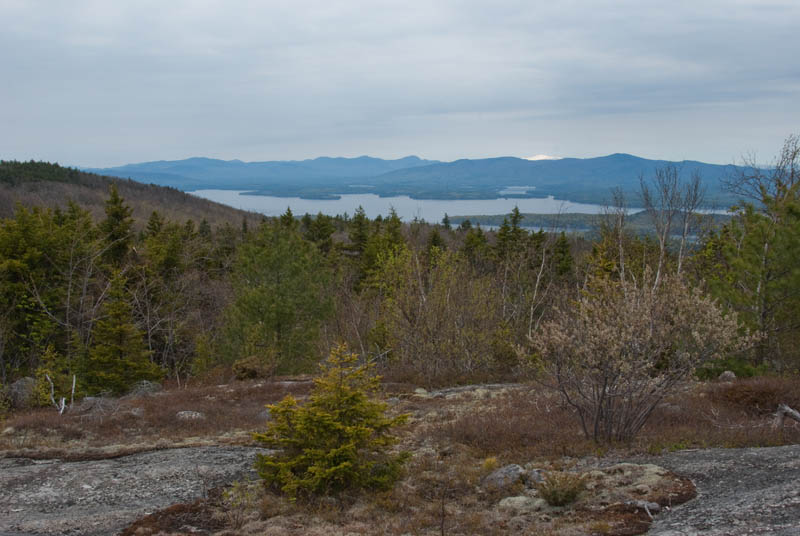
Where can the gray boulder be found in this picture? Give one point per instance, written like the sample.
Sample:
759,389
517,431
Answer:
20,393
727,376
502,478
531,477
522,504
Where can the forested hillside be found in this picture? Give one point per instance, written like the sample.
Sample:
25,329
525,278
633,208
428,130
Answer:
106,295
50,185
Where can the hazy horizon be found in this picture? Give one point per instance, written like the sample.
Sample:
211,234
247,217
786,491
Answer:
355,155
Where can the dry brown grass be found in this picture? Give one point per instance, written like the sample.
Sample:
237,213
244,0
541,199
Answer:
231,411
529,424
756,396
522,423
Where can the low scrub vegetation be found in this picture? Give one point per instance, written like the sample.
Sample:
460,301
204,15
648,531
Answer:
560,488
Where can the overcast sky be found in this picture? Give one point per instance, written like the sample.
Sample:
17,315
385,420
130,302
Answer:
100,83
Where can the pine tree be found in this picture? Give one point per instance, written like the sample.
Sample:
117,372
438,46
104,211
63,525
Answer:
751,265
359,230
337,441
204,230
475,245
446,222
320,231
562,258
394,230
435,241
117,227
154,224
287,219
118,357
280,283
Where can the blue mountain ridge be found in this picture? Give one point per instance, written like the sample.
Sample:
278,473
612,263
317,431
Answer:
575,179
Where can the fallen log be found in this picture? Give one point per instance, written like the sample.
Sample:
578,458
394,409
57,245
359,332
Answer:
783,412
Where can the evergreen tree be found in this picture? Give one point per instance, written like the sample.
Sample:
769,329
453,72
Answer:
305,223
562,257
204,230
446,222
337,441
118,357
320,231
435,241
359,230
502,245
510,236
476,246
394,230
287,219
751,265
154,224
280,284
117,227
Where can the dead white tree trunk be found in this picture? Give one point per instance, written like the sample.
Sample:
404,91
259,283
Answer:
59,406
783,412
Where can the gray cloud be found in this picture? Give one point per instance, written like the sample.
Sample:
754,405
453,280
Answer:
102,83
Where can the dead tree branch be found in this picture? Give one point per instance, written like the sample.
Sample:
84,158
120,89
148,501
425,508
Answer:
783,412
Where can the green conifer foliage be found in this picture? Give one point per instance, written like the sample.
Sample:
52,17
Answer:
281,285
117,227
118,357
359,230
287,219
338,441
204,230
562,258
435,241
154,224
319,230
446,222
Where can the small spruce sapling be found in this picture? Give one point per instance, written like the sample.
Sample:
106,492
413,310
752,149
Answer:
338,441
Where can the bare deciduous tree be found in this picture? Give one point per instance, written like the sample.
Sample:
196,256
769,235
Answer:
758,183
670,201
693,196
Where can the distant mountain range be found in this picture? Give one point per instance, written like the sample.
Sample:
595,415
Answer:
575,179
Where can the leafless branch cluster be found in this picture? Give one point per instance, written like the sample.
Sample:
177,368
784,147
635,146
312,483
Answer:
624,346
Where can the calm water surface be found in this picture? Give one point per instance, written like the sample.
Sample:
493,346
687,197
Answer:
431,210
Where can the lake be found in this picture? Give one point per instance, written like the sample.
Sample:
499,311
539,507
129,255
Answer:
430,210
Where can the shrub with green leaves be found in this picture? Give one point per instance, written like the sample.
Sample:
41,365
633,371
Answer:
338,441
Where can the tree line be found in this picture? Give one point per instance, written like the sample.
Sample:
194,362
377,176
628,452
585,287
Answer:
106,303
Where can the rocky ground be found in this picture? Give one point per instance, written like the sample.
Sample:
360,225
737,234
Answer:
101,497
740,491
98,471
